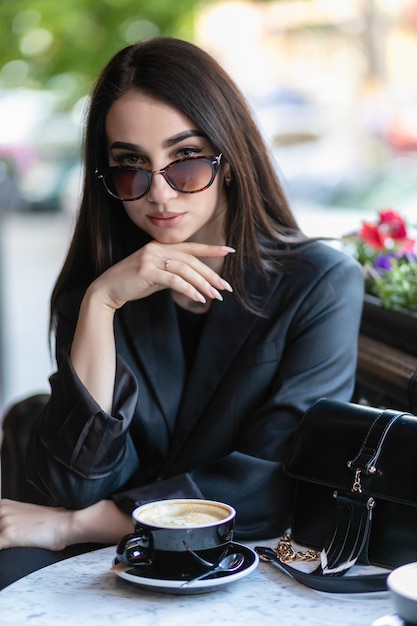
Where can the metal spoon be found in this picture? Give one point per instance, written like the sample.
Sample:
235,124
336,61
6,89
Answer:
229,563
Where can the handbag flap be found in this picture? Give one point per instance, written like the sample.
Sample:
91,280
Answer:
333,439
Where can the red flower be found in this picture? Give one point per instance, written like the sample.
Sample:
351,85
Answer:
395,224
373,235
388,233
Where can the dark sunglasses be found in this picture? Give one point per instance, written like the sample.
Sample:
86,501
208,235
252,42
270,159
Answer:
189,175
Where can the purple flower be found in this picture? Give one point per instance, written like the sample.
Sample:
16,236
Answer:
383,262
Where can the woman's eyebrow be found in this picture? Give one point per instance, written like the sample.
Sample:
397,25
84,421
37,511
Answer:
181,136
166,144
126,146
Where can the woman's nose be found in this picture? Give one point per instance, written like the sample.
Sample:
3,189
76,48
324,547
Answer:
160,191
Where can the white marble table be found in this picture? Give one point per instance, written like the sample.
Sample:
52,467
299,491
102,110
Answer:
83,591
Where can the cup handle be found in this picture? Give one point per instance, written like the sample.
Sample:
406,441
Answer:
134,549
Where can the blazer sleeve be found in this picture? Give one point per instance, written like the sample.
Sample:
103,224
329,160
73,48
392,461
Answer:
75,447
319,360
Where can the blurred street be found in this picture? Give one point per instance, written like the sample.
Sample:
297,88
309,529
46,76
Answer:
33,247
342,127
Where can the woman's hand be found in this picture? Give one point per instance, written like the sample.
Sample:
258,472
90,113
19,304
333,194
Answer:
159,266
35,526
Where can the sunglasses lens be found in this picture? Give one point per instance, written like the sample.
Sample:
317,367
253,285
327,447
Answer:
127,184
190,175
187,175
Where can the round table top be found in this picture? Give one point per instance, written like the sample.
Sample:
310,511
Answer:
84,591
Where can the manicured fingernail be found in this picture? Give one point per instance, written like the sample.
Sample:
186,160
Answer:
199,297
216,294
226,249
225,285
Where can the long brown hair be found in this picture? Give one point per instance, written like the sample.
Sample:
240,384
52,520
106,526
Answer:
259,224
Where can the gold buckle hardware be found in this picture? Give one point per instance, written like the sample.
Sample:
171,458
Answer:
356,486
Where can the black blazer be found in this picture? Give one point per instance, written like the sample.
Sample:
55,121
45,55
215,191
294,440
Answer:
221,431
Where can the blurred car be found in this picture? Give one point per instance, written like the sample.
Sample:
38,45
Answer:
401,126
52,180
304,138
42,145
11,198
394,185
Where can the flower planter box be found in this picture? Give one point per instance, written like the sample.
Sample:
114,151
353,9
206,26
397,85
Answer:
385,377
397,329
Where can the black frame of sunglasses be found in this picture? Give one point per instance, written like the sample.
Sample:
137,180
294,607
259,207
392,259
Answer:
214,161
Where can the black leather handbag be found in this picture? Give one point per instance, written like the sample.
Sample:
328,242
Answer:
355,472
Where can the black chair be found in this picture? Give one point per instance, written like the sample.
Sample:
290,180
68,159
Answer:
17,424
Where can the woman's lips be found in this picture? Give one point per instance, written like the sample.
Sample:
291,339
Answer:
166,220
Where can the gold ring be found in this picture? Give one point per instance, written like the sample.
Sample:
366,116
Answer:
167,262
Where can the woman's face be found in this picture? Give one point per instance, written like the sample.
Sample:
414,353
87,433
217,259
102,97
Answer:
145,132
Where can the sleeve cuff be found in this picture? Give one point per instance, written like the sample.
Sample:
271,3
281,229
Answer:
77,432
181,486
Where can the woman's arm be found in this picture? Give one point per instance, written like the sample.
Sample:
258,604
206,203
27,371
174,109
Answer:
80,450
35,526
93,352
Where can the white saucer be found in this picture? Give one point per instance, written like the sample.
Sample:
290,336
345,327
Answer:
146,578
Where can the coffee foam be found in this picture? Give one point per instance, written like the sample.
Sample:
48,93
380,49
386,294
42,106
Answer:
182,515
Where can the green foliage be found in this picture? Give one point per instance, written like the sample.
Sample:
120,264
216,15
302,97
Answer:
397,287
63,44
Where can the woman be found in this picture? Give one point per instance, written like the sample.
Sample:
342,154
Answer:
194,322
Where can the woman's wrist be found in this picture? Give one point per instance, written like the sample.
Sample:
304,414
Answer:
98,300
102,522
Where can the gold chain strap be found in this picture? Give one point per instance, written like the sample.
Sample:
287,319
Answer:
286,553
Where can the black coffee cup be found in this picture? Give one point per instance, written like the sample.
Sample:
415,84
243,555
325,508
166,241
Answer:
178,538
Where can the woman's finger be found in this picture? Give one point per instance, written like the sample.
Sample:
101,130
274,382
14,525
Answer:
197,274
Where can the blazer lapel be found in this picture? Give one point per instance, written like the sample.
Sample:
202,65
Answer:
231,324
151,329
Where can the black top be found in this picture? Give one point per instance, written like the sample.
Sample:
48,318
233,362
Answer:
190,325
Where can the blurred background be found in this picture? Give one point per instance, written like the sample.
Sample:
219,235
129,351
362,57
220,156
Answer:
332,84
